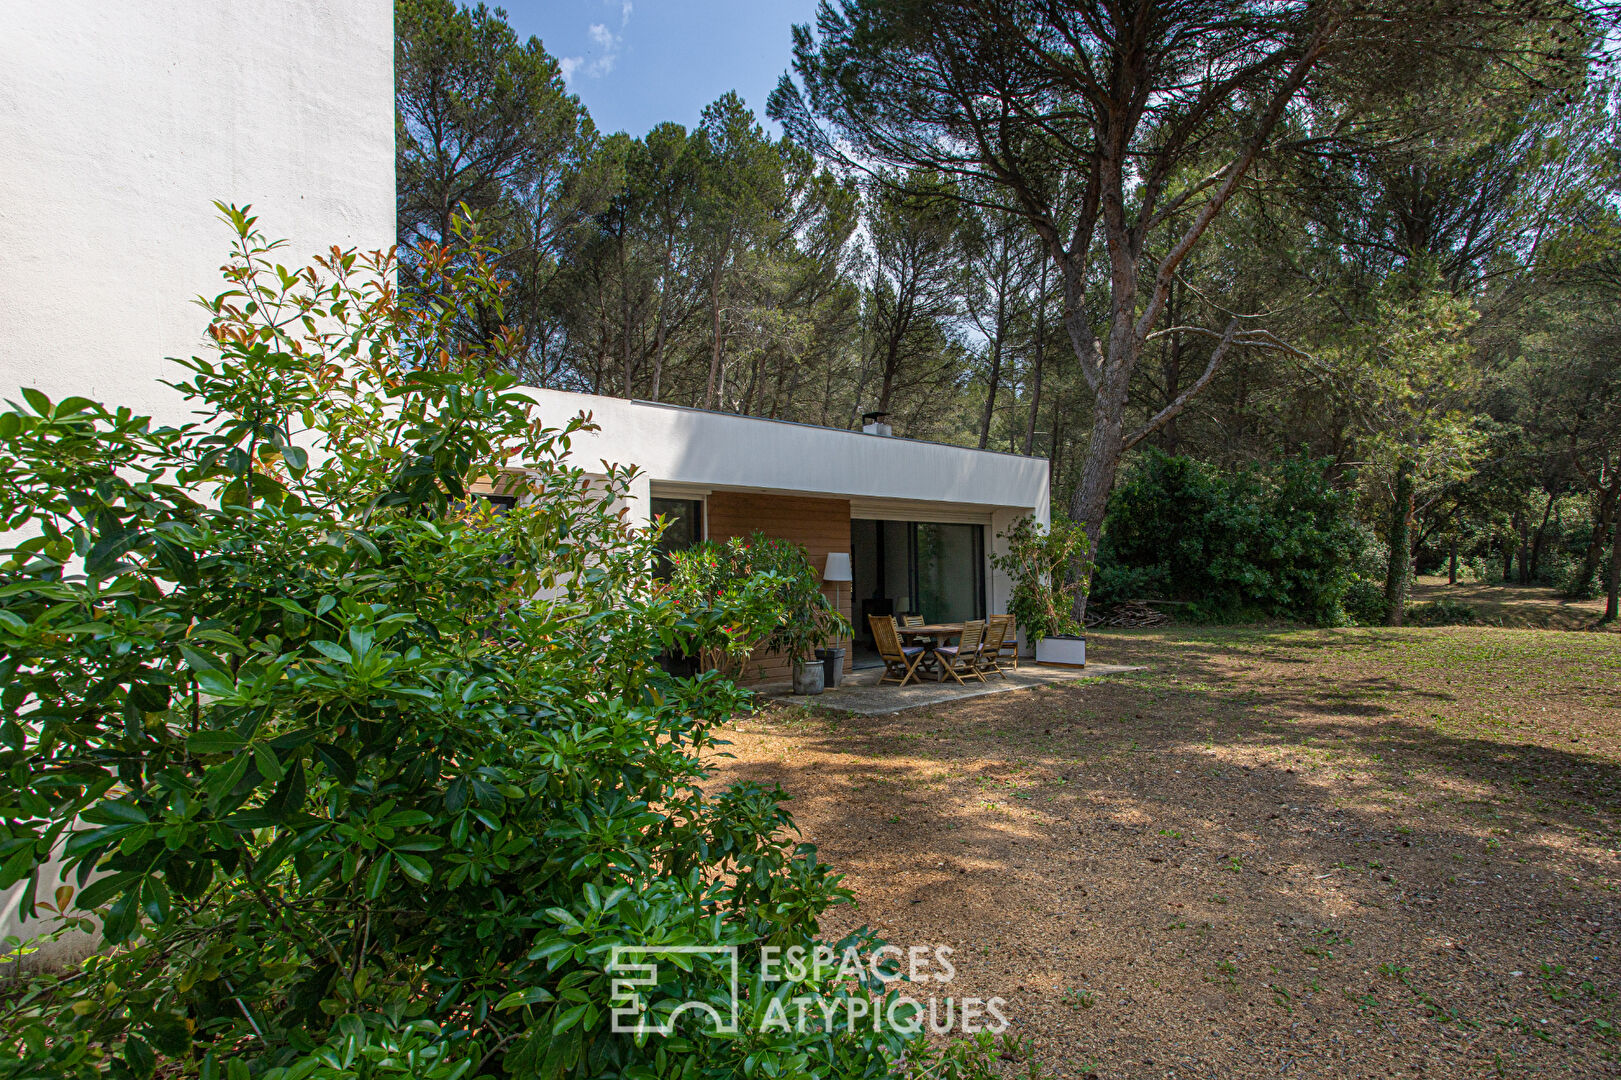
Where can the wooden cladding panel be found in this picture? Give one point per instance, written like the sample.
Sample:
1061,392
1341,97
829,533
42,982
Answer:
821,525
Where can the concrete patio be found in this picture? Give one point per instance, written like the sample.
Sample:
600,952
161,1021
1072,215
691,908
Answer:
861,693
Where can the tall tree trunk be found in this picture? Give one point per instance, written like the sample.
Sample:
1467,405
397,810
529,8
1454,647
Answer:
1035,377
892,363
604,349
1452,559
1540,537
662,329
747,407
1399,568
1108,442
712,394
627,355
1604,512
1169,438
996,367
1055,444
656,391
1091,498
1613,595
1522,525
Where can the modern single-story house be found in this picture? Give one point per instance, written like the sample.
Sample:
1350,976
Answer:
919,520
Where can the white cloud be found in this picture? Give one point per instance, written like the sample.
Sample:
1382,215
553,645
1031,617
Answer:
606,43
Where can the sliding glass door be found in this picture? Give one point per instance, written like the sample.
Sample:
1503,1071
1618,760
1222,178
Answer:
917,568
948,566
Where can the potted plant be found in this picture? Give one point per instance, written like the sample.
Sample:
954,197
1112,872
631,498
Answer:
774,600
810,622
809,676
1048,567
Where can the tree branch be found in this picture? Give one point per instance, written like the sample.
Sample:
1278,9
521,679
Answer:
1234,173
1165,415
1255,339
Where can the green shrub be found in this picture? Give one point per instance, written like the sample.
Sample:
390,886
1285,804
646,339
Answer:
1047,566
1279,543
1364,602
1558,568
1577,585
355,779
770,587
1442,612
1372,554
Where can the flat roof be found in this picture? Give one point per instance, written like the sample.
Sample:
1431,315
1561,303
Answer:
680,445
799,424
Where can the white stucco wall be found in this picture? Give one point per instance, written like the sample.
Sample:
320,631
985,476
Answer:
121,122
919,481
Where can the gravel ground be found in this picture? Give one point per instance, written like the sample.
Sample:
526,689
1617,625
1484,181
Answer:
1317,853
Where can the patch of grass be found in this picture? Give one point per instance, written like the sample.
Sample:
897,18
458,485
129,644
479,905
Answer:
1367,1003
1079,999
1443,612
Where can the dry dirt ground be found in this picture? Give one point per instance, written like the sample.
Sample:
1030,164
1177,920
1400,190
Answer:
1301,853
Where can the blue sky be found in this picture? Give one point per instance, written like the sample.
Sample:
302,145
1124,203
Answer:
635,63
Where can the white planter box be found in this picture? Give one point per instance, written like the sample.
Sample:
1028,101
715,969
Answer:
1061,651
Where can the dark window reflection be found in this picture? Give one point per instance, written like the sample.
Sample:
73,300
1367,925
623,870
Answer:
685,518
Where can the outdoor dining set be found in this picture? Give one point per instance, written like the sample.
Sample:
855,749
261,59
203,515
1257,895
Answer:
912,648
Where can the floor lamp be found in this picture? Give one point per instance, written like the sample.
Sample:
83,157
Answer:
837,571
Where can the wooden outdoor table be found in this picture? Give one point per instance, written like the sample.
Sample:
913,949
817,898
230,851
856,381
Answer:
931,631
944,629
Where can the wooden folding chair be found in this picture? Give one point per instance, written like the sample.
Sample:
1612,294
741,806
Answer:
900,661
1009,652
990,652
962,658
911,620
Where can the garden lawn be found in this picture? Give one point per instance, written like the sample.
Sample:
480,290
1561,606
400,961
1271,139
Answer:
1306,853
1524,606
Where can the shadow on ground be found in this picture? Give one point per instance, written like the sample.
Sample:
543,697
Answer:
1303,853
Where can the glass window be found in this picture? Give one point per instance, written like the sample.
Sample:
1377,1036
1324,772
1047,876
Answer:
896,538
685,518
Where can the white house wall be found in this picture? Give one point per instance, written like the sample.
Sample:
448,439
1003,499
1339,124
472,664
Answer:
687,452
123,121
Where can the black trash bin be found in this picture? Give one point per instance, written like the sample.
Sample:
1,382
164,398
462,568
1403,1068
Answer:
833,666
